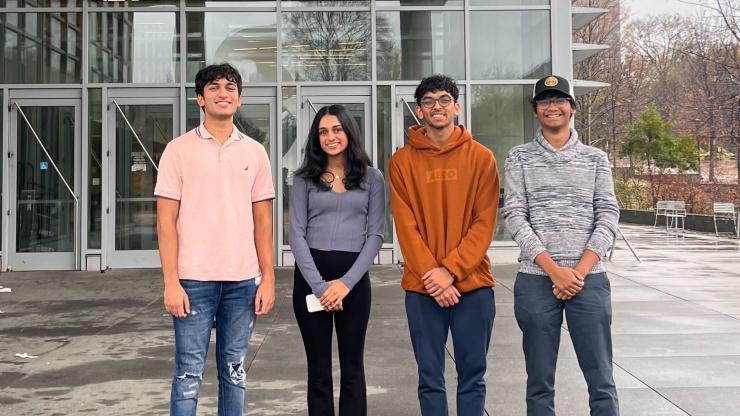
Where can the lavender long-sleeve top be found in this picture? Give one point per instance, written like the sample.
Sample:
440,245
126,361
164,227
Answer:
351,221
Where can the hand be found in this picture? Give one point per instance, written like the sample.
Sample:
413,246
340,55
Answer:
437,280
448,297
265,298
567,280
560,295
582,270
333,296
176,300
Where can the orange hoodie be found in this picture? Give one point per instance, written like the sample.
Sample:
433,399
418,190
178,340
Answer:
444,202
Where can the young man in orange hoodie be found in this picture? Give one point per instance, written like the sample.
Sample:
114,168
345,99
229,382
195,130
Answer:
444,197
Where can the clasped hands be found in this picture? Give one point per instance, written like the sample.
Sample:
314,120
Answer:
438,284
566,282
332,298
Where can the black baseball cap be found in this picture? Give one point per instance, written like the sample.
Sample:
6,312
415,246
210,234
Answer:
553,83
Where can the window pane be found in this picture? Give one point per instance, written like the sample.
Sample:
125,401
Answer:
192,111
502,118
134,47
135,178
1,165
391,3
254,121
415,44
324,3
509,2
41,47
510,44
40,3
246,40
291,152
45,207
137,3
95,162
326,46
229,3
385,148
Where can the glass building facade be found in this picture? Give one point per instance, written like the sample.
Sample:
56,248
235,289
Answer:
93,90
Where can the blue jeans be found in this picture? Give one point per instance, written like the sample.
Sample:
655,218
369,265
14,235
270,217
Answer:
232,304
540,317
471,325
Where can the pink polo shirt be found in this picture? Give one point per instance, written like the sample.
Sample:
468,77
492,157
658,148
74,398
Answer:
216,186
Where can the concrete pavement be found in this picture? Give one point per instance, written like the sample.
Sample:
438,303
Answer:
104,344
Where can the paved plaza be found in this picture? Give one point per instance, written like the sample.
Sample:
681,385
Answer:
102,344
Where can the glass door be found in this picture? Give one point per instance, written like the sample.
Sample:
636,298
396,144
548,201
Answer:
255,119
44,182
139,128
310,101
405,117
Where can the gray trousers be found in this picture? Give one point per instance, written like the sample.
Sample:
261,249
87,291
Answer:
589,314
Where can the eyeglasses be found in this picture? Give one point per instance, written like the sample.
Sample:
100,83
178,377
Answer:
444,101
560,102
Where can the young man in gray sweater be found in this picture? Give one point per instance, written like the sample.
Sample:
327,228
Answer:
561,210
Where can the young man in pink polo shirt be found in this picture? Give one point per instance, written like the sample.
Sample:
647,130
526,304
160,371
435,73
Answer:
214,225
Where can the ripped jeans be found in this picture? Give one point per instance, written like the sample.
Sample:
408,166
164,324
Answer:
232,304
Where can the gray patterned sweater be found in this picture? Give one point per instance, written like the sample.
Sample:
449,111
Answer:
561,201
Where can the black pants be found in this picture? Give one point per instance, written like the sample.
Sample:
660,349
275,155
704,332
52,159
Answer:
316,330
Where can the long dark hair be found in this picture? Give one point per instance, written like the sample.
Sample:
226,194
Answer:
314,161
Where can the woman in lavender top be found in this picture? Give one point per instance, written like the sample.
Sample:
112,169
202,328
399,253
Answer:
336,230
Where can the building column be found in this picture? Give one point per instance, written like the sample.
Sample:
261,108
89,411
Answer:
561,29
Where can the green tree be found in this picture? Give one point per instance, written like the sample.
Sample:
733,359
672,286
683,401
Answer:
653,141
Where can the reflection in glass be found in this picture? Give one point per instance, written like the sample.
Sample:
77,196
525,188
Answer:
254,121
136,225
1,171
509,2
95,169
510,44
502,118
385,148
416,44
291,151
40,3
41,48
246,40
45,208
192,111
230,3
137,3
134,47
326,46
396,3
409,116
324,3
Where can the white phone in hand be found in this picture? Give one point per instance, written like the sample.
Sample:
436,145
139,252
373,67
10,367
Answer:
313,303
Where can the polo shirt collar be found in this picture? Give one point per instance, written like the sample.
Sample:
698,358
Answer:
203,133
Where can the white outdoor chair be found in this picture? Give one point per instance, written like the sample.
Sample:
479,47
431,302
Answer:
674,213
725,211
661,208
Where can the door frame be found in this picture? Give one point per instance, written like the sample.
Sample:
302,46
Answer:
110,256
331,94
11,260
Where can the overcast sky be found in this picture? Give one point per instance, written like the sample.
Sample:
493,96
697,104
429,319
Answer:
645,8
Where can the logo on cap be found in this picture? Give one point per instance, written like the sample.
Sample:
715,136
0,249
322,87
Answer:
551,82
